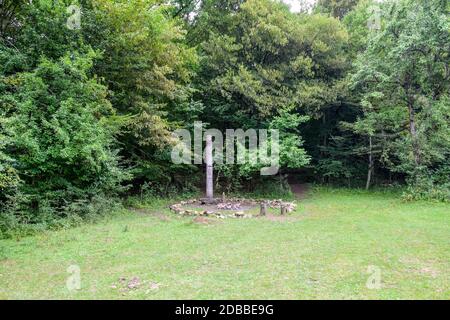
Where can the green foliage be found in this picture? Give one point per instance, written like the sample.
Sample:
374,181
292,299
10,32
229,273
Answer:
267,60
145,64
357,21
336,8
58,122
147,67
9,179
431,185
292,155
263,66
404,77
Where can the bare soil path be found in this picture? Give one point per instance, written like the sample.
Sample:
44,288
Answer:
299,189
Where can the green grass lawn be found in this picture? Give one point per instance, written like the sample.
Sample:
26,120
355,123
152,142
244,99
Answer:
322,251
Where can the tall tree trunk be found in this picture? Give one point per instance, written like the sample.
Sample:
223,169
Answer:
370,170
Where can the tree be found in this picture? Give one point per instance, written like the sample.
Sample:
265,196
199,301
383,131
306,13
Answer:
268,60
9,21
147,68
358,21
260,61
404,73
336,8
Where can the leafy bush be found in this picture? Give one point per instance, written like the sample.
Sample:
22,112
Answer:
60,132
429,186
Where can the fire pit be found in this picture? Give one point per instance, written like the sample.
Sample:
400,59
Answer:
230,208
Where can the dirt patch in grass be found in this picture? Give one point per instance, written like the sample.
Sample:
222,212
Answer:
205,221
300,190
425,268
429,271
125,285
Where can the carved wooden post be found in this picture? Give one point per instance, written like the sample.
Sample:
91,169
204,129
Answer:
283,209
263,209
209,168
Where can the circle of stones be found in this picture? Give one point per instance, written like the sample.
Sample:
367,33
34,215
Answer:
229,204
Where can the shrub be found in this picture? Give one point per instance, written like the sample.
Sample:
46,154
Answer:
60,132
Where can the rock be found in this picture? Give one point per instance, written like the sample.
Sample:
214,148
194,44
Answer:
239,214
154,286
229,206
134,283
122,279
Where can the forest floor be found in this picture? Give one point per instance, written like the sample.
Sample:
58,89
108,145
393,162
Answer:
339,244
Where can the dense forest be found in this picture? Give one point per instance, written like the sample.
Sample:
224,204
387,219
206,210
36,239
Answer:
91,91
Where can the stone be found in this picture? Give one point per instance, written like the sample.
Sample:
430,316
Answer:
239,214
229,206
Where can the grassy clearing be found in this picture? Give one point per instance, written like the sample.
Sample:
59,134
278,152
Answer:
321,252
